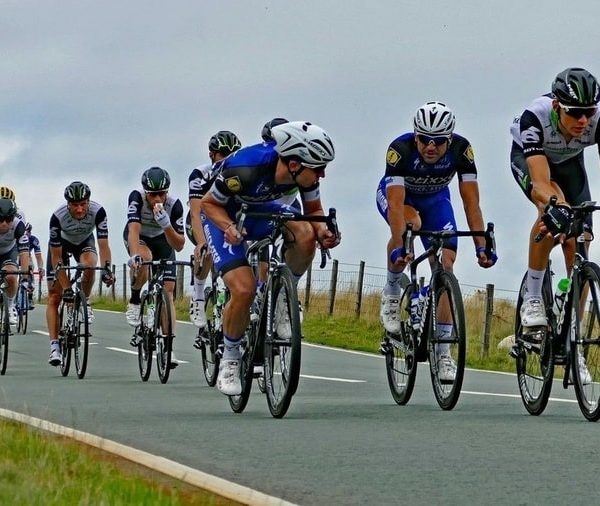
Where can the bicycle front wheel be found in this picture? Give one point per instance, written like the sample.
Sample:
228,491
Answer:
534,356
210,337
282,348
144,340
446,340
81,335
400,356
585,339
64,331
163,321
4,333
23,310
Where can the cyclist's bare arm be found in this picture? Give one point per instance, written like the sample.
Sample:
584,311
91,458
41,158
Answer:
469,193
133,238
543,188
105,254
324,236
218,215
197,232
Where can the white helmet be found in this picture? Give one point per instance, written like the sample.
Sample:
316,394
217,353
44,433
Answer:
308,142
434,118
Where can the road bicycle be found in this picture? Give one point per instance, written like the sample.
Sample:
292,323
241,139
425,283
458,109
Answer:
74,328
418,340
155,331
572,337
4,317
210,338
22,303
264,351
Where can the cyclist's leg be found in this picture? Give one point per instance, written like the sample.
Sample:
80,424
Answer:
52,320
237,275
138,277
9,264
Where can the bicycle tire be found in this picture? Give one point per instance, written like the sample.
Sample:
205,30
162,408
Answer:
4,333
210,338
447,392
400,354
81,335
587,342
65,350
23,310
535,360
163,323
144,340
282,353
248,348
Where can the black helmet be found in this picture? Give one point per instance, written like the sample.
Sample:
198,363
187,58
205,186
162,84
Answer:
266,130
8,209
576,87
77,191
156,179
28,227
224,142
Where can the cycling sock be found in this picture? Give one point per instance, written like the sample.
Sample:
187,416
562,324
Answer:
135,296
199,288
392,286
534,283
443,331
231,348
54,345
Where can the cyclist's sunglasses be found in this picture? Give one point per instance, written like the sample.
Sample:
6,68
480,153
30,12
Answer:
160,193
6,219
577,112
438,140
319,170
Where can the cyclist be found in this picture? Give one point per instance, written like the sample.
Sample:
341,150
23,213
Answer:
414,189
72,233
260,175
154,231
265,133
220,145
13,250
34,247
547,160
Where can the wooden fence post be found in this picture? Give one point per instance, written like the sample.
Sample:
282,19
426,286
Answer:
179,282
487,324
125,282
307,289
332,286
113,287
359,288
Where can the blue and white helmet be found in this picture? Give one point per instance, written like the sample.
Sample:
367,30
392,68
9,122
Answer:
434,118
302,139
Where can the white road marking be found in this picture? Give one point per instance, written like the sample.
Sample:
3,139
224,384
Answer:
514,396
325,378
130,352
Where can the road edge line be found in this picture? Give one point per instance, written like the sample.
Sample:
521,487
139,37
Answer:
181,472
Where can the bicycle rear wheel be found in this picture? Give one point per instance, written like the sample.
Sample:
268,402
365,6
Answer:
282,348
145,341
400,356
4,333
585,339
447,350
64,329
81,335
163,321
211,337
534,356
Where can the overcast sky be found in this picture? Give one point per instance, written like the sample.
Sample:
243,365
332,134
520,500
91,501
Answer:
100,91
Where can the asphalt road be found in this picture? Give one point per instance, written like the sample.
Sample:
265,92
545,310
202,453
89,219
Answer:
343,441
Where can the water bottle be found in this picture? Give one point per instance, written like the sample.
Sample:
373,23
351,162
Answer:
150,313
257,303
417,303
559,297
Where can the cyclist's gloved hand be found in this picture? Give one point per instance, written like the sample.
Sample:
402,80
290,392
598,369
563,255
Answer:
68,295
134,261
558,219
107,277
162,218
483,259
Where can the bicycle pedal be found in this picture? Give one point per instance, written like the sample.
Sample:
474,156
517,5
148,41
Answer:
198,345
514,352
